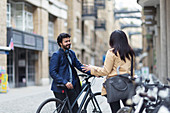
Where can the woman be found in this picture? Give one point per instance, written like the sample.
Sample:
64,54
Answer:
120,54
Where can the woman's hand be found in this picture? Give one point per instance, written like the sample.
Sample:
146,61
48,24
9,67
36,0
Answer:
86,68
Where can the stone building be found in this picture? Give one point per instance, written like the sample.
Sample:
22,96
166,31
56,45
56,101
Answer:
156,36
33,26
90,22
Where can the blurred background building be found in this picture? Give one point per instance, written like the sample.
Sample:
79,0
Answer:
156,36
33,27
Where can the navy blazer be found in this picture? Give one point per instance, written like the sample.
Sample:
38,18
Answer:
59,68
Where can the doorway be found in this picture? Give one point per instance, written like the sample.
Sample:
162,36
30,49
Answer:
20,67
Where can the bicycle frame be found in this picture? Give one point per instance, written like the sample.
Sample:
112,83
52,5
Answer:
88,92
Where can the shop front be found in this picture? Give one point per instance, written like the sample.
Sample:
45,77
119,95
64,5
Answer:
22,61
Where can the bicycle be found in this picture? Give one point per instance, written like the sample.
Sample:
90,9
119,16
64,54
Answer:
147,103
89,104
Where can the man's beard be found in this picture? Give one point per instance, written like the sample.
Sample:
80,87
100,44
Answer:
67,46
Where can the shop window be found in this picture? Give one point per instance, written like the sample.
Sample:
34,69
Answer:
10,69
32,57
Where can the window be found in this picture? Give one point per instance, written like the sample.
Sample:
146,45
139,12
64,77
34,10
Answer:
28,22
19,16
50,30
85,30
87,60
8,15
22,16
78,23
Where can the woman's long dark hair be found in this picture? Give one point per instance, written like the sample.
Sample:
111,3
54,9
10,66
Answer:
118,41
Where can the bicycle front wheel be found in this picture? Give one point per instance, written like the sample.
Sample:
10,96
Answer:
52,105
96,104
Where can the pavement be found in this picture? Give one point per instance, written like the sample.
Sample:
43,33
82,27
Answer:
27,99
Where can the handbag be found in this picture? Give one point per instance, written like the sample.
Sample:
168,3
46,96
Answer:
119,87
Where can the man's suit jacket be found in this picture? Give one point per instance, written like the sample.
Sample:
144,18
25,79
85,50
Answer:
59,69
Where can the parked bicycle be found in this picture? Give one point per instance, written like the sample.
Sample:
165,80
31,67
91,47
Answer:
91,102
149,103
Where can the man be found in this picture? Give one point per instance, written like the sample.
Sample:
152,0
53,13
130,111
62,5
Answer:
62,70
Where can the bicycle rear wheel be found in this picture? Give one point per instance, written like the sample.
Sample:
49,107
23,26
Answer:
96,104
52,105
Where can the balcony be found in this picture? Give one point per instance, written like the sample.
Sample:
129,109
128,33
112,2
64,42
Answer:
100,4
89,11
149,13
100,24
25,40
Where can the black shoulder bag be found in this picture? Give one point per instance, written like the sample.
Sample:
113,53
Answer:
119,87
74,73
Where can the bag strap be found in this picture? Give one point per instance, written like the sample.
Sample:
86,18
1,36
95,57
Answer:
132,65
72,68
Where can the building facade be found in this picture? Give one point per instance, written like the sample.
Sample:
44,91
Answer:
33,27
156,36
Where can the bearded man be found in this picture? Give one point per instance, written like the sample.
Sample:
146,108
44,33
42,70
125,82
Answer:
62,70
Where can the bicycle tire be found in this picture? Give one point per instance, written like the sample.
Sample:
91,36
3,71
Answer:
125,110
49,106
89,107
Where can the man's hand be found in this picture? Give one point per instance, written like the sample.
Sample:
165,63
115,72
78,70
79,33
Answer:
69,85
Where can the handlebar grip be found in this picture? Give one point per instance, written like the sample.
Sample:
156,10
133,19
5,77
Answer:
83,75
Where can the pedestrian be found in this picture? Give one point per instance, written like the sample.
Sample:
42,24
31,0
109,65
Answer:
62,70
119,54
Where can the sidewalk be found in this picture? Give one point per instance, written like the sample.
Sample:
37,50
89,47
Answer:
24,100
27,99
16,93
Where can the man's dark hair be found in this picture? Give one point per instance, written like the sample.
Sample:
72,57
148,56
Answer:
61,36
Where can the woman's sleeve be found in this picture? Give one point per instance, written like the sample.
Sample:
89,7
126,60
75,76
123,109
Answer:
108,65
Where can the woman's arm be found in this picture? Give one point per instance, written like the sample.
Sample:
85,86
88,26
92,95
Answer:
108,65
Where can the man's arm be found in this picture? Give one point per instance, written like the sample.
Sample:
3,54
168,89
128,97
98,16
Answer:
54,68
78,65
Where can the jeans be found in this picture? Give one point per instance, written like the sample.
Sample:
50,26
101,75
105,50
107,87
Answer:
115,106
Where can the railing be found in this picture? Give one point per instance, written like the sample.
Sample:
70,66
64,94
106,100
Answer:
100,24
24,39
100,4
89,11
